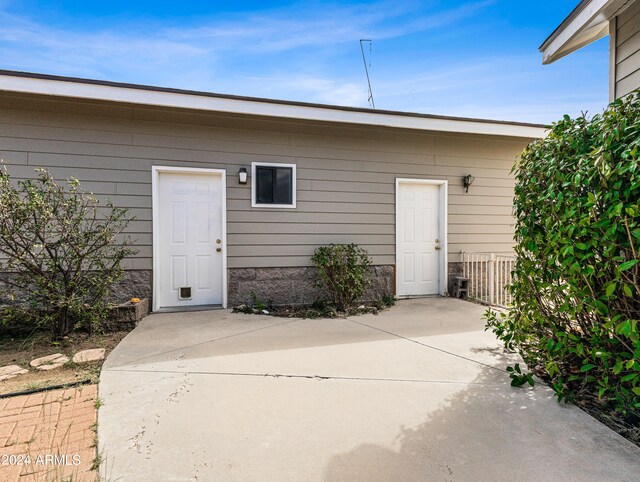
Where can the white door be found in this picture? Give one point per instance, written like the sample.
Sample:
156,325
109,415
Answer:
419,239
190,248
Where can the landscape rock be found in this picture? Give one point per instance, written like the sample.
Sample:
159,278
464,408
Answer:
11,371
86,356
49,362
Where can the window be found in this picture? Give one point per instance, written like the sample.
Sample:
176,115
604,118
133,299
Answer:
273,185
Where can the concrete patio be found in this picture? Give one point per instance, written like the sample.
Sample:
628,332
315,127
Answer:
418,392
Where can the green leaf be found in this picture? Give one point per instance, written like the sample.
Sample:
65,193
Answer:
627,290
624,328
628,264
610,289
518,381
617,368
601,307
586,368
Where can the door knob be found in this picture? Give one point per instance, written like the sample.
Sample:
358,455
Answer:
437,248
218,241
218,250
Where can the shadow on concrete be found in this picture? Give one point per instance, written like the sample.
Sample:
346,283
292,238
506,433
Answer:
169,336
495,432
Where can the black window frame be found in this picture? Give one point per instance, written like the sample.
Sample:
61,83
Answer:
260,197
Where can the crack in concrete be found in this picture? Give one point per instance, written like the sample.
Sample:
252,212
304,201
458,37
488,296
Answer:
313,377
502,370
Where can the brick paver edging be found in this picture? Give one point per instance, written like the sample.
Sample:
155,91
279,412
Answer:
49,435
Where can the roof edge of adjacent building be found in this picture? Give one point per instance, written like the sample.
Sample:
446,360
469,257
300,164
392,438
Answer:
100,90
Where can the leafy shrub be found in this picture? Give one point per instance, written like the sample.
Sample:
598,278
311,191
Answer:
256,303
344,271
387,300
576,283
319,309
63,252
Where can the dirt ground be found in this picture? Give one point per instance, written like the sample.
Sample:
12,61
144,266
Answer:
20,351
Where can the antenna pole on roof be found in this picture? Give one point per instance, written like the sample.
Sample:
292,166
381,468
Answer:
366,70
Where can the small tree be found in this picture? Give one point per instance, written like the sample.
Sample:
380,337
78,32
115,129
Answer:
60,250
344,270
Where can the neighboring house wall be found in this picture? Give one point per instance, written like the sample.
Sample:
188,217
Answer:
625,45
345,181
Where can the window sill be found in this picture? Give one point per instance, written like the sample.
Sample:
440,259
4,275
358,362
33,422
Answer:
277,206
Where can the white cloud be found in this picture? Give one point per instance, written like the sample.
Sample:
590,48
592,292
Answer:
313,89
118,48
324,26
307,54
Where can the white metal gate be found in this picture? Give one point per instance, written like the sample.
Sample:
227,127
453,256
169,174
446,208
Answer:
489,275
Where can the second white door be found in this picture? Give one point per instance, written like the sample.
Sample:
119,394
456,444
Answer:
419,239
190,247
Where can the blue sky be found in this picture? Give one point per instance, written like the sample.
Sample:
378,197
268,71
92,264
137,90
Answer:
464,58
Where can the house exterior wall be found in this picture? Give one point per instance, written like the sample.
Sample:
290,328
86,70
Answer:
345,175
625,44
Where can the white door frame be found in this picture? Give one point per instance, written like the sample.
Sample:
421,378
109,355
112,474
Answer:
155,171
442,227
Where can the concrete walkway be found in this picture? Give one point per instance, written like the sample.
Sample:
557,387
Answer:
416,393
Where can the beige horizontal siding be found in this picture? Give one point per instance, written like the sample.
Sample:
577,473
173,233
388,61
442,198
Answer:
628,48
628,84
627,53
307,229
346,176
627,19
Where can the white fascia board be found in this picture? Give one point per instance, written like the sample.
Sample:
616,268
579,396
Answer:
583,39
61,88
588,26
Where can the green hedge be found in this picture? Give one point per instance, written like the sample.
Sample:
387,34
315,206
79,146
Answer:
576,284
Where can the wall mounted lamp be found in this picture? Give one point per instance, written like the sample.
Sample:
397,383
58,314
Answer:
242,175
467,181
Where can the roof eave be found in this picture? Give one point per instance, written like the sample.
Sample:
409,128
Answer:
556,52
588,22
65,87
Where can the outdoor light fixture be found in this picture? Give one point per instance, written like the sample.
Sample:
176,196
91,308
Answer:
467,181
242,175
